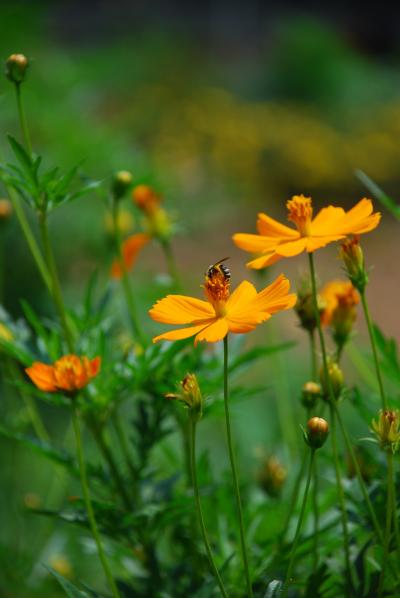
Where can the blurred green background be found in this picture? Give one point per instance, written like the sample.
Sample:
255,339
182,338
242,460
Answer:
225,115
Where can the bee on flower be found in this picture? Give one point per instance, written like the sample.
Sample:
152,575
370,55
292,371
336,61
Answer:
222,312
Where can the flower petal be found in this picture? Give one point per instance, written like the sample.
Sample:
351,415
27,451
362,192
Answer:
130,249
181,333
42,376
272,228
240,298
275,297
291,248
254,243
213,333
325,221
180,309
313,243
263,261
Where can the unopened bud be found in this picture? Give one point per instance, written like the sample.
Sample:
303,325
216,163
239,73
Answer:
272,476
335,381
146,199
305,306
353,259
310,394
387,429
5,209
189,394
341,298
121,182
317,432
16,66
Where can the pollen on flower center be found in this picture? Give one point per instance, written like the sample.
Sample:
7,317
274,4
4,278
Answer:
216,288
300,212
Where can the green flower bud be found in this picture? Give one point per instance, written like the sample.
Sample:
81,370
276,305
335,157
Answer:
334,382
310,394
317,432
16,66
121,182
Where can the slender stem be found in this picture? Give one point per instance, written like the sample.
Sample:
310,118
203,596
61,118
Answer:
344,517
170,259
108,456
392,490
388,527
199,509
299,525
316,515
125,451
313,353
234,472
29,237
136,329
294,497
55,282
374,350
88,504
332,403
22,118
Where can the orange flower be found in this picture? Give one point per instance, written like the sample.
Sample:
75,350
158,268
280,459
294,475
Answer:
68,374
275,240
338,295
130,250
211,320
146,199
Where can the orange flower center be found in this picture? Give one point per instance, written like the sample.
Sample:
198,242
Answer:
216,288
300,212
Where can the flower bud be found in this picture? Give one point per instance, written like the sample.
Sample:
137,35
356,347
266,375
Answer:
190,395
146,199
125,222
335,380
310,394
317,432
387,429
16,66
121,182
339,313
305,306
353,259
272,476
5,209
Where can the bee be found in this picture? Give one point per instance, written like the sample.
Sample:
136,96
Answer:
219,267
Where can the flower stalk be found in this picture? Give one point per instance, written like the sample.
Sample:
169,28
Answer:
88,503
213,566
234,473
299,526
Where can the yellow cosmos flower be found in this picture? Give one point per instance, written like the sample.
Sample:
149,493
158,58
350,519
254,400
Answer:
223,312
339,299
130,250
275,240
70,373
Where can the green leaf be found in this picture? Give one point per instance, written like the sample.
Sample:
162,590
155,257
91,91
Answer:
274,589
379,194
28,166
69,588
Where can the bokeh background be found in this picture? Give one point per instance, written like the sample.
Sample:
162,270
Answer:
227,110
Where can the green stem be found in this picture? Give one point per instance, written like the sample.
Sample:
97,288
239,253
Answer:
294,497
316,516
313,353
299,526
136,329
392,490
339,484
332,403
199,509
55,282
125,451
29,237
374,349
22,118
170,259
108,456
234,472
88,503
388,527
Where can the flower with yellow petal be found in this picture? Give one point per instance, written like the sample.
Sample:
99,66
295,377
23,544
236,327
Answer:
223,312
130,250
275,240
339,299
68,374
